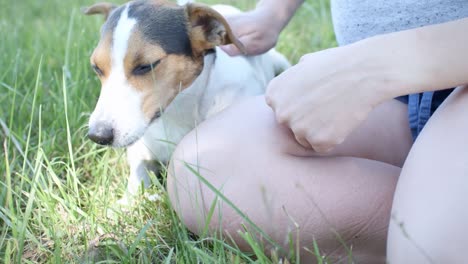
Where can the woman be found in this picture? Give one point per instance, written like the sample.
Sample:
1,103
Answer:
320,156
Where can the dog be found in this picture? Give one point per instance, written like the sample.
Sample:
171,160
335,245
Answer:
162,73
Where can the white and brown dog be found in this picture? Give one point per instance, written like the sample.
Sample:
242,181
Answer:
162,74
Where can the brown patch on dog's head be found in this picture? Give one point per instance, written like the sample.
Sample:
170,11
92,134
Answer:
101,57
171,74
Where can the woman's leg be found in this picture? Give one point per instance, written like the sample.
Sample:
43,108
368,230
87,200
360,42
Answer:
257,165
430,211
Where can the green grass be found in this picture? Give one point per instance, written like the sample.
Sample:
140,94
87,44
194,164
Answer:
55,185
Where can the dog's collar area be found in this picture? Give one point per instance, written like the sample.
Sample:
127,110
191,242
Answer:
210,51
211,54
156,115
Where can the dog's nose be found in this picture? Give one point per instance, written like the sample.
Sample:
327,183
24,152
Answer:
102,134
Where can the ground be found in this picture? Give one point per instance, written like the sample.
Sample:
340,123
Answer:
56,186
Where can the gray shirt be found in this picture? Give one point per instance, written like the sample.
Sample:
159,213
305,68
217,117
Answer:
359,19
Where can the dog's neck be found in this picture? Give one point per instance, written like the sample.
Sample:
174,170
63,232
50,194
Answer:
202,79
190,102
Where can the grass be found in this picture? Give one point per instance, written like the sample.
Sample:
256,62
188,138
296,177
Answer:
55,185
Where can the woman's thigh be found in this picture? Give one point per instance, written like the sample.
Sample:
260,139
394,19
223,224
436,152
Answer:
258,166
430,211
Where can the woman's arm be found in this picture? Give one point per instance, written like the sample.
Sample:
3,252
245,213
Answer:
417,60
329,93
259,29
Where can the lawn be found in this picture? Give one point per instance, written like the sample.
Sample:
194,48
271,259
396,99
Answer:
56,186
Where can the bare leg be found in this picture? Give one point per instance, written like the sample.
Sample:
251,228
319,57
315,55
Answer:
430,211
278,184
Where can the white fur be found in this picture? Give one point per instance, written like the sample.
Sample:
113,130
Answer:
121,36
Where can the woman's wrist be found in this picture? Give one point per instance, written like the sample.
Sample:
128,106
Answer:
391,63
280,12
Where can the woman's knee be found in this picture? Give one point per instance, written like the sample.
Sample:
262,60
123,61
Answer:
245,131
430,200
244,127
207,158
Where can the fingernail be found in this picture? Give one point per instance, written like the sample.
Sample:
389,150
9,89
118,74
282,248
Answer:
230,50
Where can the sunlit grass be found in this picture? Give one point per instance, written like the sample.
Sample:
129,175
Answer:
56,187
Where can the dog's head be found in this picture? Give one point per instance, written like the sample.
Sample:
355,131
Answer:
149,51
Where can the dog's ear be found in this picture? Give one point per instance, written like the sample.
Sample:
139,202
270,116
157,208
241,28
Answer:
99,8
208,29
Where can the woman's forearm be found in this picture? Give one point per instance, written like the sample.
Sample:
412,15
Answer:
417,60
282,10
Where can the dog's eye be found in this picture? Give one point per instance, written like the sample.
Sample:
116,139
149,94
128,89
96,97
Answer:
144,69
97,70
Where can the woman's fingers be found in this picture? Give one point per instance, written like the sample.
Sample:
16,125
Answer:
254,44
231,50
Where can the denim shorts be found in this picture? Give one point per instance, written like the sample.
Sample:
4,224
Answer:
421,107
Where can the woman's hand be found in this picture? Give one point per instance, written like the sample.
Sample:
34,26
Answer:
257,30
325,96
